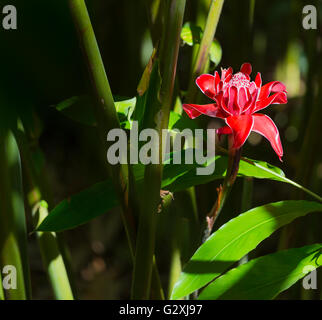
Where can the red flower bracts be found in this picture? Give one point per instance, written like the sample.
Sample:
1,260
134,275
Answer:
236,100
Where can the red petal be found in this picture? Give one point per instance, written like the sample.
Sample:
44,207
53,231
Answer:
223,130
246,68
226,72
276,98
241,126
250,105
232,100
206,83
217,80
265,126
258,80
242,98
267,89
211,110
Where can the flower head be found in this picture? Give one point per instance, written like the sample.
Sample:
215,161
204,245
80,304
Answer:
236,100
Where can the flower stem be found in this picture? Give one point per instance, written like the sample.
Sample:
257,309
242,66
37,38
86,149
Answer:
224,190
202,58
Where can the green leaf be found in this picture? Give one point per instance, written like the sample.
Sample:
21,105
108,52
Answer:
175,178
80,109
215,52
125,109
192,35
235,239
81,208
181,122
265,277
184,176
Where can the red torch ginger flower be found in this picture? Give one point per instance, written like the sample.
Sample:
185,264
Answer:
236,100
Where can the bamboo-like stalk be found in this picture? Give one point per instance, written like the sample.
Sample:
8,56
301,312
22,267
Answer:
153,173
13,235
203,53
105,111
107,119
154,13
175,267
52,257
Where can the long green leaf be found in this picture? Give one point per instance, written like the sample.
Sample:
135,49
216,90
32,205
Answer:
81,208
69,214
265,277
13,230
235,239
180,177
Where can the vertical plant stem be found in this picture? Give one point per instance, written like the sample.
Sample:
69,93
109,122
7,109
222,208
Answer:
203,53
153,173
155,11
224,190
104,109
51,256
107,119
13,236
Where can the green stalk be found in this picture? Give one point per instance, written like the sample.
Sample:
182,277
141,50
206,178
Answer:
154,10
105,111
51,256
234,156
107,119
203,53
13,235
153,173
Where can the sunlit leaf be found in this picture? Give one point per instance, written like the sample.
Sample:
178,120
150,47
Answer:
235,239
265,277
